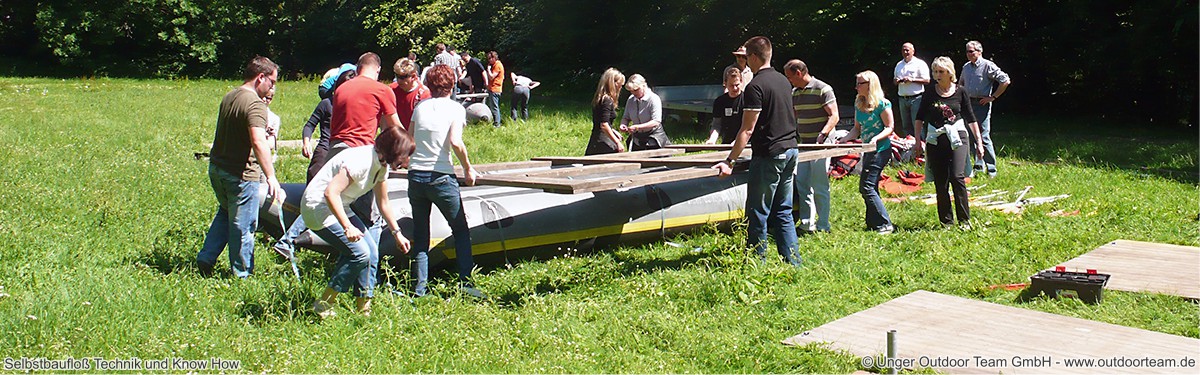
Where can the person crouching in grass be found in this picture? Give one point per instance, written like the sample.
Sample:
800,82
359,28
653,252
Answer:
326,209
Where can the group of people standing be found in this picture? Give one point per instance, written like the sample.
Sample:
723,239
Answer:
774,112
476,77
366,129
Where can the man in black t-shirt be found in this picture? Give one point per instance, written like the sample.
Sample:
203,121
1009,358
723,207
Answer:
727,110
769,126
476,80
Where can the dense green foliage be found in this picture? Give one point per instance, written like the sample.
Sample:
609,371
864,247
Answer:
1116,58
102,208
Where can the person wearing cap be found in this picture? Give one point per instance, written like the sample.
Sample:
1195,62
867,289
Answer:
325,89
643,116
739,56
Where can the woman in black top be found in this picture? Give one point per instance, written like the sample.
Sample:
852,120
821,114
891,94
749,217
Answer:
319,122
604,139
942,122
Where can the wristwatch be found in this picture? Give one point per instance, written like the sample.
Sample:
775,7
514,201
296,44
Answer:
730,162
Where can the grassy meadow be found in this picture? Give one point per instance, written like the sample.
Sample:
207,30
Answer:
103,207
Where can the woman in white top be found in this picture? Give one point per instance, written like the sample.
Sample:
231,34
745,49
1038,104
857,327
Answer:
437,126
643,117
326,209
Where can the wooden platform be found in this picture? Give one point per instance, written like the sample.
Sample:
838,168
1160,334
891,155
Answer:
932,326
1145,267
593,173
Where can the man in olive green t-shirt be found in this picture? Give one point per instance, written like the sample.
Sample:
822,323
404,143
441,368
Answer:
240,162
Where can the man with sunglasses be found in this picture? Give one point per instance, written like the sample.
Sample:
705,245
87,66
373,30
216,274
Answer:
240,159
408,89
979,76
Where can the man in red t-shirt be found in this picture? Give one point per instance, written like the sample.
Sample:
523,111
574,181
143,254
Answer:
359,105
408,89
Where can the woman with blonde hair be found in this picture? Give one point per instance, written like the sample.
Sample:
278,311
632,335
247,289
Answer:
942,122
643,116
604,139
873,124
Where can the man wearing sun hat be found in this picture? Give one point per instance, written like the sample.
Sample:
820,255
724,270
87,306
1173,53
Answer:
740,64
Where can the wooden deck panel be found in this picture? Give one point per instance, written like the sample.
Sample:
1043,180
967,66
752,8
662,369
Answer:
937,325
539,174
1145,267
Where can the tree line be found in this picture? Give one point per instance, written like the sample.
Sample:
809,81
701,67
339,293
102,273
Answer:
1118,58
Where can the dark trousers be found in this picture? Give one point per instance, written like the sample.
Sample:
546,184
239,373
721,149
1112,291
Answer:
520,102
320,155
947,165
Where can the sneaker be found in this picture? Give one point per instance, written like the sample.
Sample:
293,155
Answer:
323,309
283,250
473,292
966,226
886,229
206,270
992,174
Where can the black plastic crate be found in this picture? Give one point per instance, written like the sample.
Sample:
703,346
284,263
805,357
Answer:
1086,286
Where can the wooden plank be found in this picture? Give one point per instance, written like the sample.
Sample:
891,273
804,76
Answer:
727,147
695,147
625,182
486,168
810,155
609,158
551,185
931,325
1145,267
645,162
583,170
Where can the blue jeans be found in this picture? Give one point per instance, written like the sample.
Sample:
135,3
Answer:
425,189
520,102
868,185
907,116
812,194
769,205
358,262
235,231
493,102
983,114
288,241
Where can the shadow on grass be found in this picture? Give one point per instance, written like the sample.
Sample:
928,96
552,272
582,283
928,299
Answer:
282,303
168,253
1164,153
594,274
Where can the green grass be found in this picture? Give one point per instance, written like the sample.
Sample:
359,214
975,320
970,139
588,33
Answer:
103,208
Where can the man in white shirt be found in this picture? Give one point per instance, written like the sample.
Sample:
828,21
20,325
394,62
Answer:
911,75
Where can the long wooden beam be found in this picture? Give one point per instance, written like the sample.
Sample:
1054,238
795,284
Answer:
609,158
486,168
726,147
583,170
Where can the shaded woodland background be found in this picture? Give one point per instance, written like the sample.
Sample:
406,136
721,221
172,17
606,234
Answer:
1137,60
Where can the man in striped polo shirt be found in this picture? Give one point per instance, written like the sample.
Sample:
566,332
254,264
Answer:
816,116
